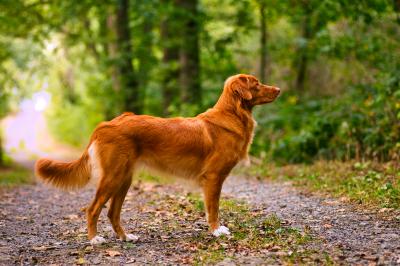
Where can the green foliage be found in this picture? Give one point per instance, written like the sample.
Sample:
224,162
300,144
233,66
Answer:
336,61
14,175
362,124
360,119
77,129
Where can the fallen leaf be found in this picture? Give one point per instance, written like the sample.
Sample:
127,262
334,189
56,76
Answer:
80,261
275,248
72,217
113,253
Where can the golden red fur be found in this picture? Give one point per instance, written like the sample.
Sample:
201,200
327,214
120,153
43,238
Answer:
204,148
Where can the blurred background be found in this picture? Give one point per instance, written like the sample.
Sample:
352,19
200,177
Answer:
67,65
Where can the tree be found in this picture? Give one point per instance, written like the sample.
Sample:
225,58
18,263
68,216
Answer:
190,53
146,17
396,7
128,78
170,59
307,32
262,9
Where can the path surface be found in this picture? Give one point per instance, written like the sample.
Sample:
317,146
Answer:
354,235
42,225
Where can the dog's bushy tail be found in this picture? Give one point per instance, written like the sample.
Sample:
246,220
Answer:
67,176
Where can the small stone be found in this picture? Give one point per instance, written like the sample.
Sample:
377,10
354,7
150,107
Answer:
88,249
96,261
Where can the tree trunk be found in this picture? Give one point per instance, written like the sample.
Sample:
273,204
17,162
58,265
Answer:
263,42
130,86
112,50
170,42
302,64
145,57
396,7
190,54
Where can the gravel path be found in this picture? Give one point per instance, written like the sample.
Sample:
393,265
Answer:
41,225
355,236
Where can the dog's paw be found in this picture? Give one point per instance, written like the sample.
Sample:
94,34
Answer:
222,230
131,238
97,240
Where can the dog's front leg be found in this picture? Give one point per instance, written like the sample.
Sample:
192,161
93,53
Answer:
212,185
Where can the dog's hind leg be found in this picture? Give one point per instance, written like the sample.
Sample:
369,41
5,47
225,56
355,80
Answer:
103,194
108,186
114,213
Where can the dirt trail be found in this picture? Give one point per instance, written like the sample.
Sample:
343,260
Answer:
41,225
355,236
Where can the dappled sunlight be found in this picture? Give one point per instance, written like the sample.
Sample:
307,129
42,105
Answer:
41,100
26,136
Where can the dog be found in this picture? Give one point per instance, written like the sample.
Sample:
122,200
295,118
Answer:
204,149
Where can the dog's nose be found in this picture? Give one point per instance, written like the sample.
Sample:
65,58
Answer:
277,90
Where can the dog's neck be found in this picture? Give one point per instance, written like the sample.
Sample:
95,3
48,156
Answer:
239,108
239,119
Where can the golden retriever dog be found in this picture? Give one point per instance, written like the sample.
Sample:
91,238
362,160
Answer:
203,148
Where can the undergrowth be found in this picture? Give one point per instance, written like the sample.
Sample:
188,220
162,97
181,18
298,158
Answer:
366,183
14,175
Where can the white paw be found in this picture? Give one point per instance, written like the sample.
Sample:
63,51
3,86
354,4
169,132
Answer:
97,240
222,230
131,238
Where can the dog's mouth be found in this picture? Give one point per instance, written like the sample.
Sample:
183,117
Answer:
270,96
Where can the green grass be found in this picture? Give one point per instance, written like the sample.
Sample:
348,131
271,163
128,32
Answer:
257,234
254,234
14,175
368,183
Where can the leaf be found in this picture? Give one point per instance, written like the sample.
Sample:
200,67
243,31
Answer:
80,261
72,217
113,253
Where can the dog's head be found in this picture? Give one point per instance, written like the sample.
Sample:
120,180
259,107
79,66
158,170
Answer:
247,89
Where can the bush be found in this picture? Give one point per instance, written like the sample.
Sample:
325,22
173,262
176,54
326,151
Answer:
362,123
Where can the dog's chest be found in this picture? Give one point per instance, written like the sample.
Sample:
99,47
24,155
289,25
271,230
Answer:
249,136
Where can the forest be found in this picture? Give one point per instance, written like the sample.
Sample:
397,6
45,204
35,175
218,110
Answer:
336,61
323,187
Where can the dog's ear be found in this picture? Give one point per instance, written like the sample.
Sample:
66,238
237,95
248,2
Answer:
241,88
